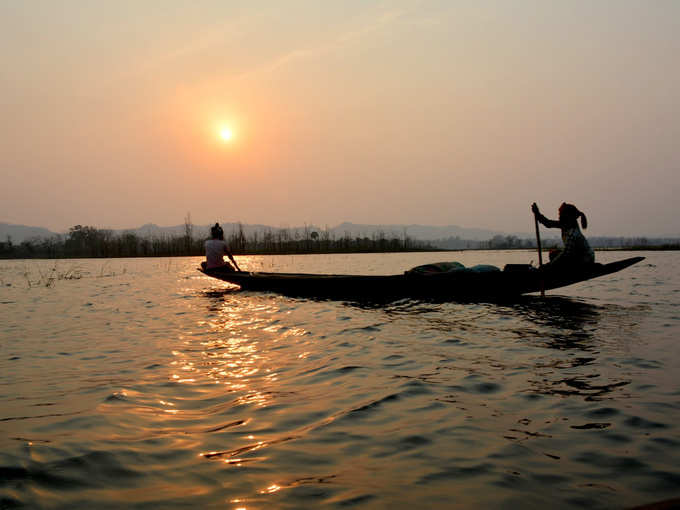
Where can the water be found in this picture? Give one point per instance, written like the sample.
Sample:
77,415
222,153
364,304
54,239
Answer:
140,383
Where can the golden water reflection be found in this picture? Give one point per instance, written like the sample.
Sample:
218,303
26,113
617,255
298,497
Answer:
230,356
234,349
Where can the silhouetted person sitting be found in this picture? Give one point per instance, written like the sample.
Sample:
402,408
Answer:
215,250
576,252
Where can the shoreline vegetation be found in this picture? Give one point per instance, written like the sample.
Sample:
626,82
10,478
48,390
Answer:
91,242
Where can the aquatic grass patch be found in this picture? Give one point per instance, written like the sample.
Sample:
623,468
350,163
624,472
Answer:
47,278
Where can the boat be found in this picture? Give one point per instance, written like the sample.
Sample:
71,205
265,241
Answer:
513,281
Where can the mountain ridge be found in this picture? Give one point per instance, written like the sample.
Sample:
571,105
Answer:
19,233
449,237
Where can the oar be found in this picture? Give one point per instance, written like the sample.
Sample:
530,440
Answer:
540,253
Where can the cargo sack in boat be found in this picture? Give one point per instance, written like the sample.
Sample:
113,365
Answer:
436,268
450,267
484,268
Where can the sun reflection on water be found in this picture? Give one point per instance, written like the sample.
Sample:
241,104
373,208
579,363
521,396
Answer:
229,349
271,489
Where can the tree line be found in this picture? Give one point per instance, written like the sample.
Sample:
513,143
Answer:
91,242
511,242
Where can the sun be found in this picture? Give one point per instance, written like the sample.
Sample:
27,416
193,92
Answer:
226,134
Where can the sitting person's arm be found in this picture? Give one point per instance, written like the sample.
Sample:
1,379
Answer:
227,251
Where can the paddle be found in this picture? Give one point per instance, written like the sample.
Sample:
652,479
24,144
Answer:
538,245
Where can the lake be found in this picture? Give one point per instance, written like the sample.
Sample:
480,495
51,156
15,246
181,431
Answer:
141,383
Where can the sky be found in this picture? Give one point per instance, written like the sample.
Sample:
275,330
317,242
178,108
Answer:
382,112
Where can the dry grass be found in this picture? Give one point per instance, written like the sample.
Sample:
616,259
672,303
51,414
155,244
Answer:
49,278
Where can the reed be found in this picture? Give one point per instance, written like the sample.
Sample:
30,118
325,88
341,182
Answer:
48,278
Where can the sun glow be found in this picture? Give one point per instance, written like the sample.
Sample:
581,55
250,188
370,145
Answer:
226,134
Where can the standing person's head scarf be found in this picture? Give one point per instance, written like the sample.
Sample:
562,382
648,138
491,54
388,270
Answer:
569,212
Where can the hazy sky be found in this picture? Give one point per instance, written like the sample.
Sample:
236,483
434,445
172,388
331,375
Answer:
431,112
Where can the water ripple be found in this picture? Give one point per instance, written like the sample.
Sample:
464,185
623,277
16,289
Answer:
166,389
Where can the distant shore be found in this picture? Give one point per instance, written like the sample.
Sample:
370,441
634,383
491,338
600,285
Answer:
660,247
316,252
91,242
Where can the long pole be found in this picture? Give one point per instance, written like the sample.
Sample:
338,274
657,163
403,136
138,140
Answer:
540,253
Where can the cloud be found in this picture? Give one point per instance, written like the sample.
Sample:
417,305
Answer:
372,27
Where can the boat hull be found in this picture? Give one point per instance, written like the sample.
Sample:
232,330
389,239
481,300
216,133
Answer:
457,285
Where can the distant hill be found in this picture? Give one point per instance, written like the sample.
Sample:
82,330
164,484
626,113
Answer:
418,232
20,233
449,237
199,231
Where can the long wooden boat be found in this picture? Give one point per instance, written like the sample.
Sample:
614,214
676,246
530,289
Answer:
457,285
